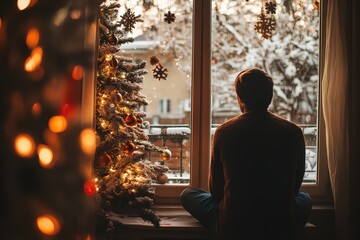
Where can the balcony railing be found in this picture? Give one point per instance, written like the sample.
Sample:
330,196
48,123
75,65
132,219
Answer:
177,139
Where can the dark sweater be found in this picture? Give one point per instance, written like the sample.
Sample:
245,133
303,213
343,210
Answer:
257,165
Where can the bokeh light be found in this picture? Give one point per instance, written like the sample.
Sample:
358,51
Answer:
24,145
88,141
46,156
48,225
36,109
77,72
89,187
57,124
23,4
33,62
32,38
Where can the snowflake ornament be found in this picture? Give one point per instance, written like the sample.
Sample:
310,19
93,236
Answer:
270,7
128,20
159,72
169,17
265,26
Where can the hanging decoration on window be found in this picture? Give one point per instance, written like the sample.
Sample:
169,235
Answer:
154,60
169,17
128,20
159,72
265,25
270,7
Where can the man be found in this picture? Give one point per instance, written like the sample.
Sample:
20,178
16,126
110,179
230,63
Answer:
257,167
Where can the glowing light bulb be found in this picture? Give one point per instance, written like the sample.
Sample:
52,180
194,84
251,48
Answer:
46,156
57,124
23,4
88,141
77,72
24,145
48,225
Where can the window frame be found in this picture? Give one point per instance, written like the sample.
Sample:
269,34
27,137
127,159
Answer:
201,113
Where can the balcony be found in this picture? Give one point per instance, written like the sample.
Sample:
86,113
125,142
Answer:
177,139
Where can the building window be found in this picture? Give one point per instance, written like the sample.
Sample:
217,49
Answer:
164,106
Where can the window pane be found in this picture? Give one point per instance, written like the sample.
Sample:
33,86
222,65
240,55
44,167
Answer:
290,56
169,108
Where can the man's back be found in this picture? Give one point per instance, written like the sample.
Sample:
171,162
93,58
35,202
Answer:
257,167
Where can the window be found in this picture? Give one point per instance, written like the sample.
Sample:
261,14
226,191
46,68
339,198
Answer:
218,51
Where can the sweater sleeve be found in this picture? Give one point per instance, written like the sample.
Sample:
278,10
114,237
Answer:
216,178
300,154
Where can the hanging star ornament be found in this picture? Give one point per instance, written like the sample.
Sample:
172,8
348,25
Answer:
128,20
169,17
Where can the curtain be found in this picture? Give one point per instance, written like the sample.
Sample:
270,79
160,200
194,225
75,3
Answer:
340,109
335,110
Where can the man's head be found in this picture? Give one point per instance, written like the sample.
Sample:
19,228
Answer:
254,88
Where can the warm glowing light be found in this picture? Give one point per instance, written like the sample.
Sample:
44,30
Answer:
23,4
108,56
107,70
88,237
48,225
0,23
77,72
88,141
75,14
36,109
32,38
33,62
89,187
46,156
24,145
57,124
123,75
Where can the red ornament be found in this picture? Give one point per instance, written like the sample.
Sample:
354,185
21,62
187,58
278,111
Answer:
89,187
129,148
131,120
105,160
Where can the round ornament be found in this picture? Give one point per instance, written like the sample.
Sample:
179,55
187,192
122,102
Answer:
131,120
112,39
129,148
105,160
116,97
114,62
162,178
166,155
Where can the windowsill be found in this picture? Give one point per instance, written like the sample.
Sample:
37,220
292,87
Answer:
178,223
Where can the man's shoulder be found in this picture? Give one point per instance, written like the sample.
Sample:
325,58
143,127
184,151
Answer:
283,121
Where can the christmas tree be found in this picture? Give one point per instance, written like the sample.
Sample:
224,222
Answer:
124,176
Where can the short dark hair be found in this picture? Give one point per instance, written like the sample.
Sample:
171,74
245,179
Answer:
255,88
